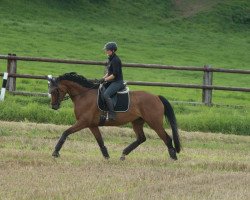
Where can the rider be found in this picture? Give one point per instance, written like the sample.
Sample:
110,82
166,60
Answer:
113,77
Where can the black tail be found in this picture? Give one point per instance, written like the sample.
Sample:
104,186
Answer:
169,113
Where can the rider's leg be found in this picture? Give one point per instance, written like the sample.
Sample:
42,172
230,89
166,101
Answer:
110,91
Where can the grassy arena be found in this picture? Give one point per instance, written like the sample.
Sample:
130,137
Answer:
172,32
210,166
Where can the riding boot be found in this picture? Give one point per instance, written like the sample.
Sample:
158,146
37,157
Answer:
111,113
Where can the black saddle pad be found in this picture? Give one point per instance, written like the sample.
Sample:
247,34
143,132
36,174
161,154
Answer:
121,102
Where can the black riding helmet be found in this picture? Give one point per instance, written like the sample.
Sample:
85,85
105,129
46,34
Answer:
112,46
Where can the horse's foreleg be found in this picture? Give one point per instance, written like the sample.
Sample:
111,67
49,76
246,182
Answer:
138,128
76,127
96,132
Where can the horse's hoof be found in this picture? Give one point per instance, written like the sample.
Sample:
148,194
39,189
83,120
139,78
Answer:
55,154
172,153
106,157
122,158
105,152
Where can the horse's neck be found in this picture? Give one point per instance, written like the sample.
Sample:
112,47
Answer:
83,98
76,91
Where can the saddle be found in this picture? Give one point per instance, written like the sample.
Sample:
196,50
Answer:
121,100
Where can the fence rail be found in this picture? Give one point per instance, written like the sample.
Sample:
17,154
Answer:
132,65
207,86
140,83
26,76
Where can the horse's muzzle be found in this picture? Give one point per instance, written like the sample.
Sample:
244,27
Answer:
55,106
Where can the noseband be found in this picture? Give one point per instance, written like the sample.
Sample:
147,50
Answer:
59,99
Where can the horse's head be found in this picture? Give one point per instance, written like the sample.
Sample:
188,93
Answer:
57,92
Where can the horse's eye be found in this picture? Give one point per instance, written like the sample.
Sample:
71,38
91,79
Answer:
53,91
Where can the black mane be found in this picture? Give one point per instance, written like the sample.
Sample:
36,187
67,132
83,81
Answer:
81,80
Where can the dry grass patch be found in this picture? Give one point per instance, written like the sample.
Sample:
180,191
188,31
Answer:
215,170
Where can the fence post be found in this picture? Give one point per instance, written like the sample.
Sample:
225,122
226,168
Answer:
207,80
49,79
11,69
3,89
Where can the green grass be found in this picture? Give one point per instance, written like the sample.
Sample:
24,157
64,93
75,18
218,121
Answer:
190,118
188,33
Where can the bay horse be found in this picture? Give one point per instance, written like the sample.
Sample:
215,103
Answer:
144,108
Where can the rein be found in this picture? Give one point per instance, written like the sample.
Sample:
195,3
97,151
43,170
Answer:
80,94
66,98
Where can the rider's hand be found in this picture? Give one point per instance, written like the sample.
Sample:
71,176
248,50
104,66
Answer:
102,80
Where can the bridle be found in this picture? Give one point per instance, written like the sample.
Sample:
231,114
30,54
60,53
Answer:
57,91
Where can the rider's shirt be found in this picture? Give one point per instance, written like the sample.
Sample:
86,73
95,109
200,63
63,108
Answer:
114,66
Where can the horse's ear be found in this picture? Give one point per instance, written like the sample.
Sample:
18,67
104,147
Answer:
52,81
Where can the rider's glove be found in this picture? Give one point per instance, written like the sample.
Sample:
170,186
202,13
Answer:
102,80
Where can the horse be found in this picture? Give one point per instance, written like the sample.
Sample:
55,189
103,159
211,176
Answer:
144,108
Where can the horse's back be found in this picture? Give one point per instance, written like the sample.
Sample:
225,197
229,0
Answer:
142,96
146,102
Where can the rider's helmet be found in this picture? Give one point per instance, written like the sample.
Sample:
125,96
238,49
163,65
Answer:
112,46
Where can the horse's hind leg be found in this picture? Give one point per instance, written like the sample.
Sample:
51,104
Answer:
168,141
158,128
138,128
96,132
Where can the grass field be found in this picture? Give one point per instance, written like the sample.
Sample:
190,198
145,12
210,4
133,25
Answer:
210,166
171,32
182,33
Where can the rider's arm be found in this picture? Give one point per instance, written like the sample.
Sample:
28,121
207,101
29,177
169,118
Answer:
109,78
106,75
